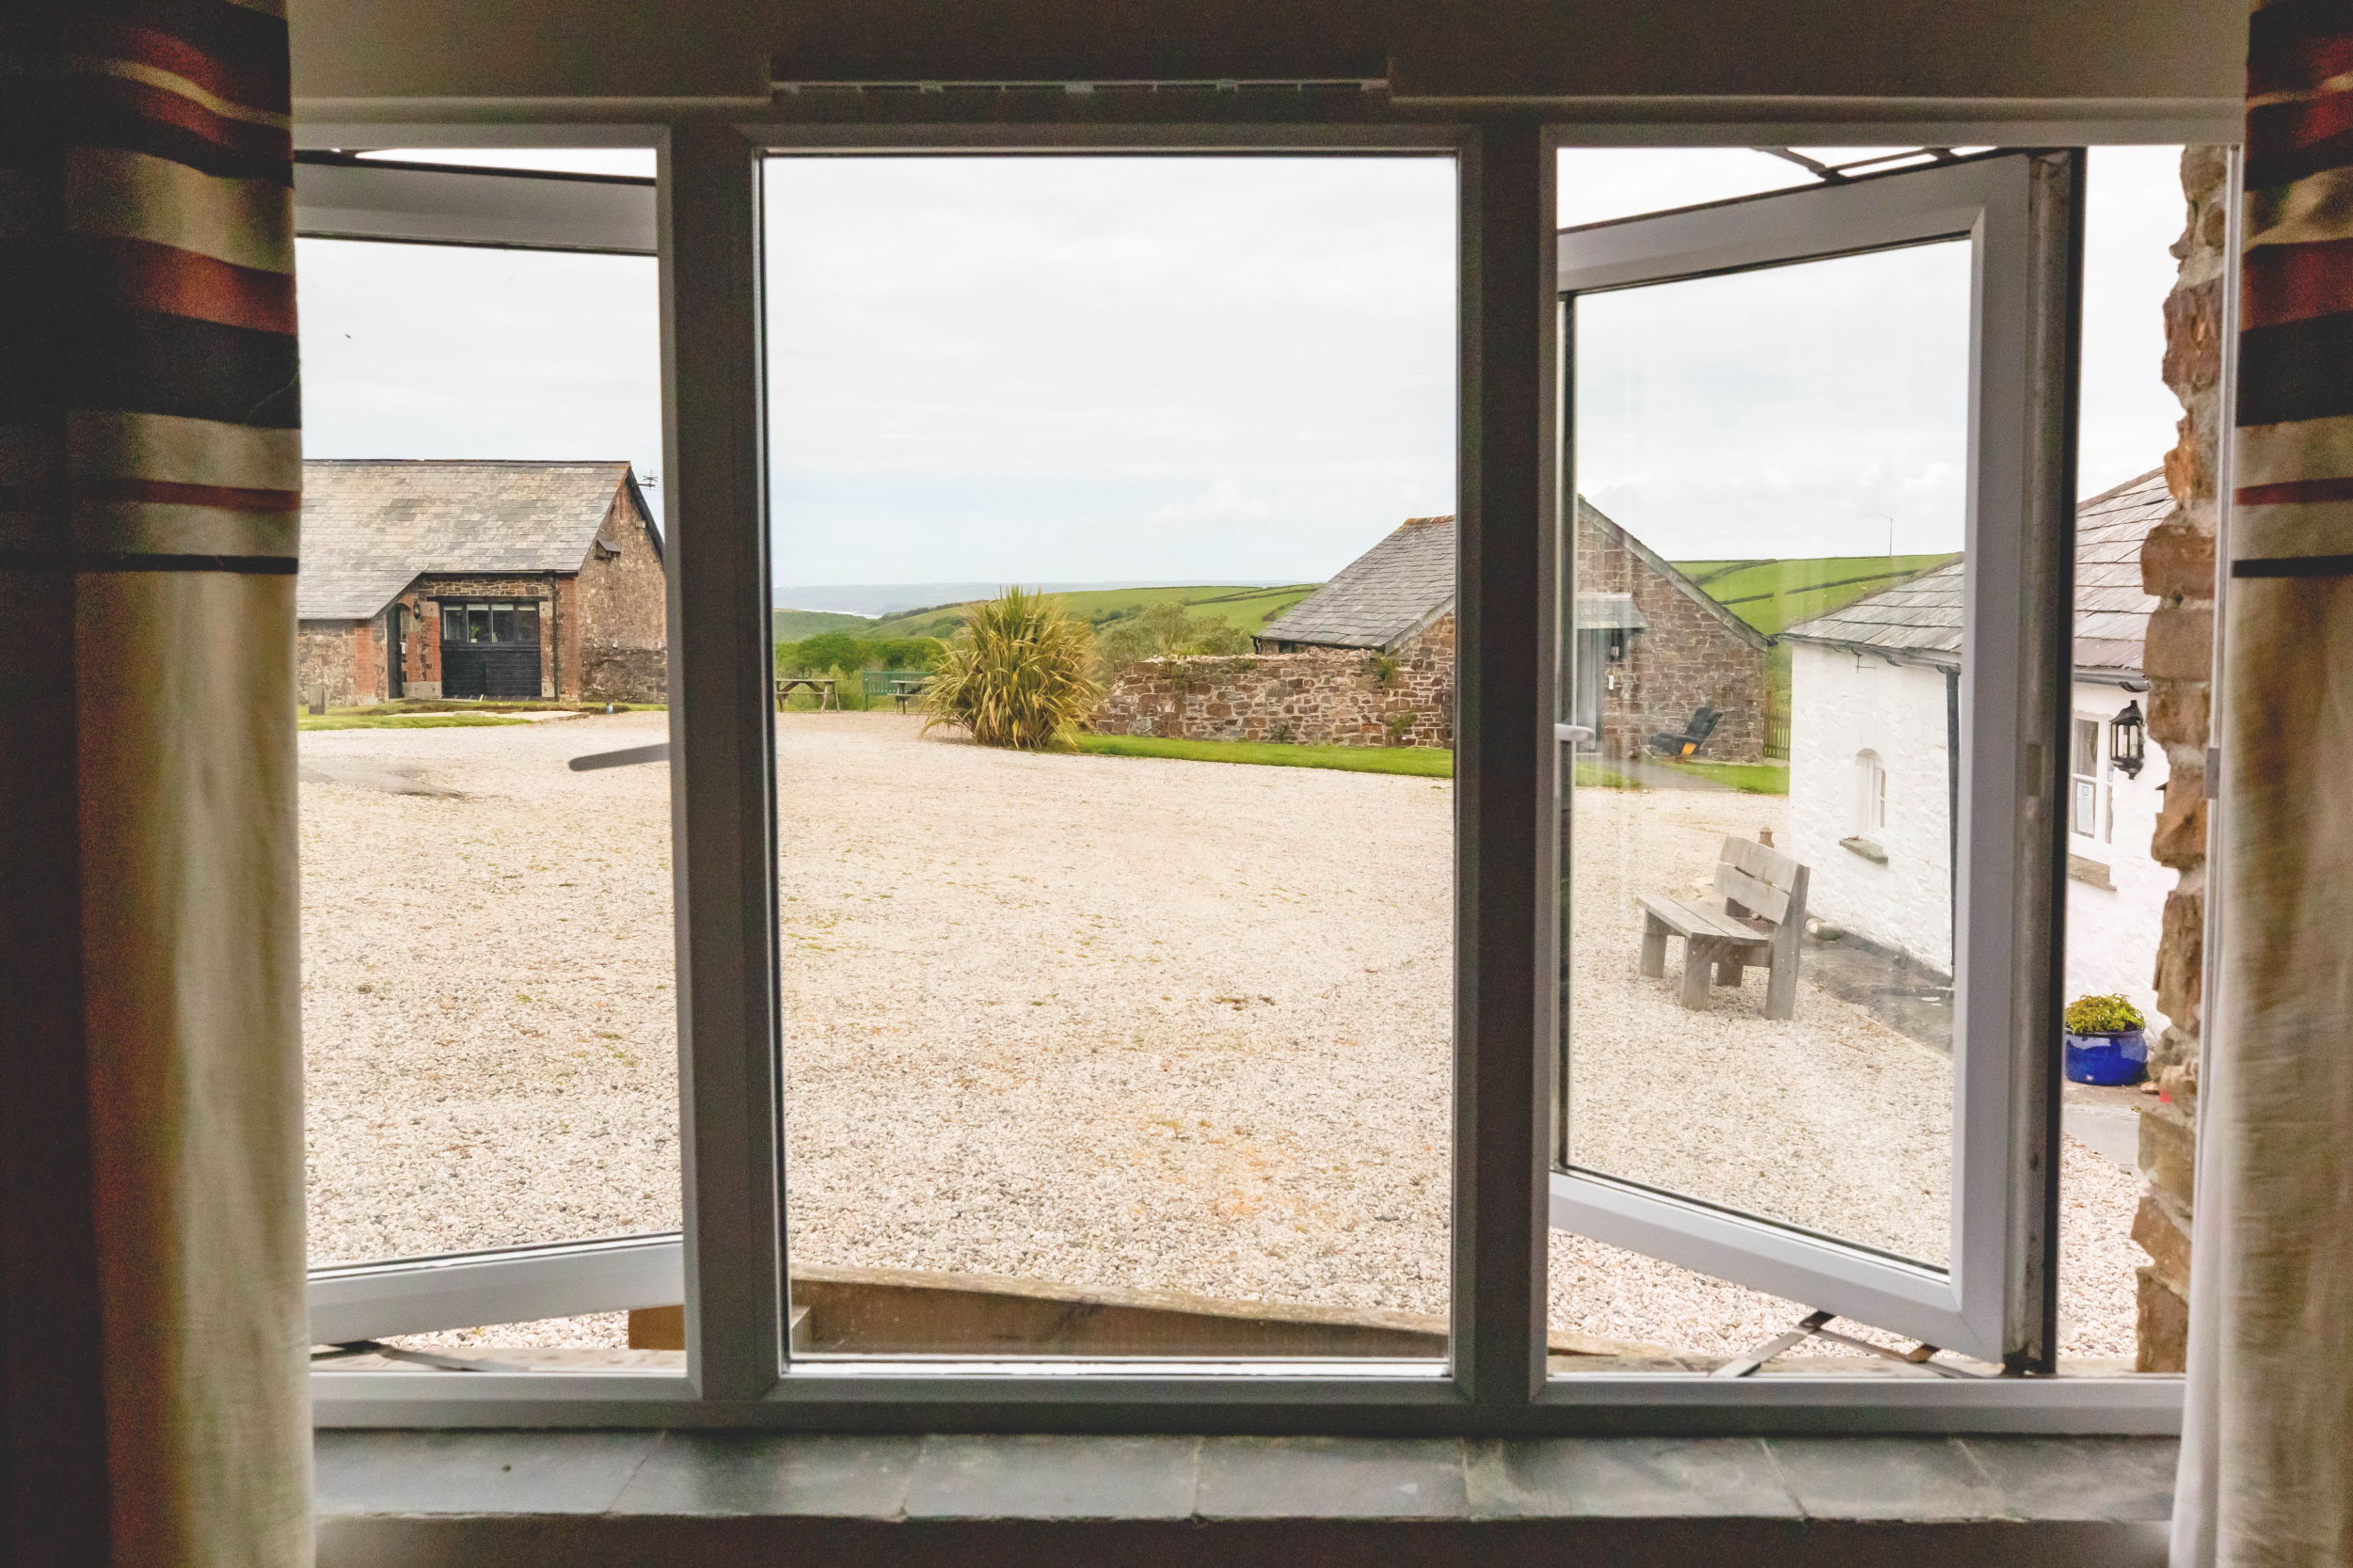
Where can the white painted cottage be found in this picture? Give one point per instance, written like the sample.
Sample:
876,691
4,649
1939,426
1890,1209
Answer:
1874,718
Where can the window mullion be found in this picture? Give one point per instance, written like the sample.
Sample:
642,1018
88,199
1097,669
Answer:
722,751
1507,825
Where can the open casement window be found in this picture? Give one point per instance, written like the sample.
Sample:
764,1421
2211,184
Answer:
1733,1098
1969,806
387,1260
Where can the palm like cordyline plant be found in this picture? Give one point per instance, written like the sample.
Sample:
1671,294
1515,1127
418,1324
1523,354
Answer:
1016,674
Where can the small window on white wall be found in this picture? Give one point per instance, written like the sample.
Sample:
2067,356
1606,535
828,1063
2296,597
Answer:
1870,794
2087,808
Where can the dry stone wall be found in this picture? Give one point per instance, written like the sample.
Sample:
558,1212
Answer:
1324,697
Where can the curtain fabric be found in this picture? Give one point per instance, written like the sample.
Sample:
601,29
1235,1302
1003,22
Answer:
152,1404
2267,1454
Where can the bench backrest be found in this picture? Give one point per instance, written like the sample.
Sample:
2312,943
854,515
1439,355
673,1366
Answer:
1761,880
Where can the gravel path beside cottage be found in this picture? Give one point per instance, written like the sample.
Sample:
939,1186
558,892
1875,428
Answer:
1102,1020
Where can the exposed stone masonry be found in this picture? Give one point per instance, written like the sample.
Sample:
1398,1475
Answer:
1687,658
1324,697
2177,566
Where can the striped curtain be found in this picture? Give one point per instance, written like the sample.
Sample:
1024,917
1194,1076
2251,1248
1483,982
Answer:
2267,1452
152,1370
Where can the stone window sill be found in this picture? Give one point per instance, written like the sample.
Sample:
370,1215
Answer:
2091,873
585,1498
1866,848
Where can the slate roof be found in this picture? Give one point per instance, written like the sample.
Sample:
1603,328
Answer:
1397,585
1407,579
1921,619
371,527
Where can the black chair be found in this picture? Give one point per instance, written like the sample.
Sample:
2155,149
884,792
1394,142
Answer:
1693,735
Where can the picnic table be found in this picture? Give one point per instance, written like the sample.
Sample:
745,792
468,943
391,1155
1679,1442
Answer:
900,685
821,686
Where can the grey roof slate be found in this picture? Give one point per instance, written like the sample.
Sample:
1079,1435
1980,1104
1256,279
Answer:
1397,585
1922,618
1407,579
371,527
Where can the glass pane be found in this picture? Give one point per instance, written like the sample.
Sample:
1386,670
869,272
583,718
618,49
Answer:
1154,1024
488,986
1759,875
527,623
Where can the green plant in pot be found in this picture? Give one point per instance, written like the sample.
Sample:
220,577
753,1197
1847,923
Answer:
2104,1042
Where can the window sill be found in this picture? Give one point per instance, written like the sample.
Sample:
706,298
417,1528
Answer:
587,1497
2091,873
1866,848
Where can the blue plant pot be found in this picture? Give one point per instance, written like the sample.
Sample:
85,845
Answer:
2108,1059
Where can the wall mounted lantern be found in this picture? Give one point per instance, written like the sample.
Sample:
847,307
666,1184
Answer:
2127,733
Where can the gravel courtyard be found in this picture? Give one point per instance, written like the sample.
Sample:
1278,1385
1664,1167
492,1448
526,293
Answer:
1105,1021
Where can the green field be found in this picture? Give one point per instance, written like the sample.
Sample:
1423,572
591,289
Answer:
1243,608
791,625
1772,595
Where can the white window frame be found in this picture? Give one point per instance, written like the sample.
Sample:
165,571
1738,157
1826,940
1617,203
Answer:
730,1254
1871,799
2101,780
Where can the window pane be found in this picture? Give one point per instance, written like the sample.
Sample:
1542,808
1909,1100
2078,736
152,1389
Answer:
1760,861
489,995
1155,1022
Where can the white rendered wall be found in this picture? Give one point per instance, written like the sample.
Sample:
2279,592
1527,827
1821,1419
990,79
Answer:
1840,706
2112,934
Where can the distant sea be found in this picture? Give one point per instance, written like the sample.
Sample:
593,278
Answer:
877,600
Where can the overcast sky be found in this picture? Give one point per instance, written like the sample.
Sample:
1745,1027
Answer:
1222,370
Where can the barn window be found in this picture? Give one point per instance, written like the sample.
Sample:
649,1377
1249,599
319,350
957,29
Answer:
1871,793
2088,813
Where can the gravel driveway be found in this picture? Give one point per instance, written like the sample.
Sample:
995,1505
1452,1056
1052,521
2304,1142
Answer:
1107,1022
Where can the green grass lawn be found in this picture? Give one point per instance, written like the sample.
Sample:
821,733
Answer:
1427,762
1750,778
400,721
1243,608
1421,762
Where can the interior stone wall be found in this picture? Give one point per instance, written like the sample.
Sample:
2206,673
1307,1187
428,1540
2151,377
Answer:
2177,566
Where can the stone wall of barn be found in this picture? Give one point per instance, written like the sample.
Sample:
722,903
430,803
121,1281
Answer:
325,658
620,614
422,654
2177,564
1324,697
1685,658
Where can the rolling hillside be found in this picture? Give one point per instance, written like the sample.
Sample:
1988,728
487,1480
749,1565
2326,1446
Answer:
1246,609
790,625
1772,594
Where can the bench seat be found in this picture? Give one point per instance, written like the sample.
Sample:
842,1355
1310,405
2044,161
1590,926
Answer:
1762,918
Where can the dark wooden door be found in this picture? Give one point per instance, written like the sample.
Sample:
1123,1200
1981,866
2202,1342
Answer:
490,649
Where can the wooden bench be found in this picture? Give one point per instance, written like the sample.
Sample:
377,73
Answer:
1762,923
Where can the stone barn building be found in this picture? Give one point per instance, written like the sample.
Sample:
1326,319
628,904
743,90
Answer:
1651,646
430,579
